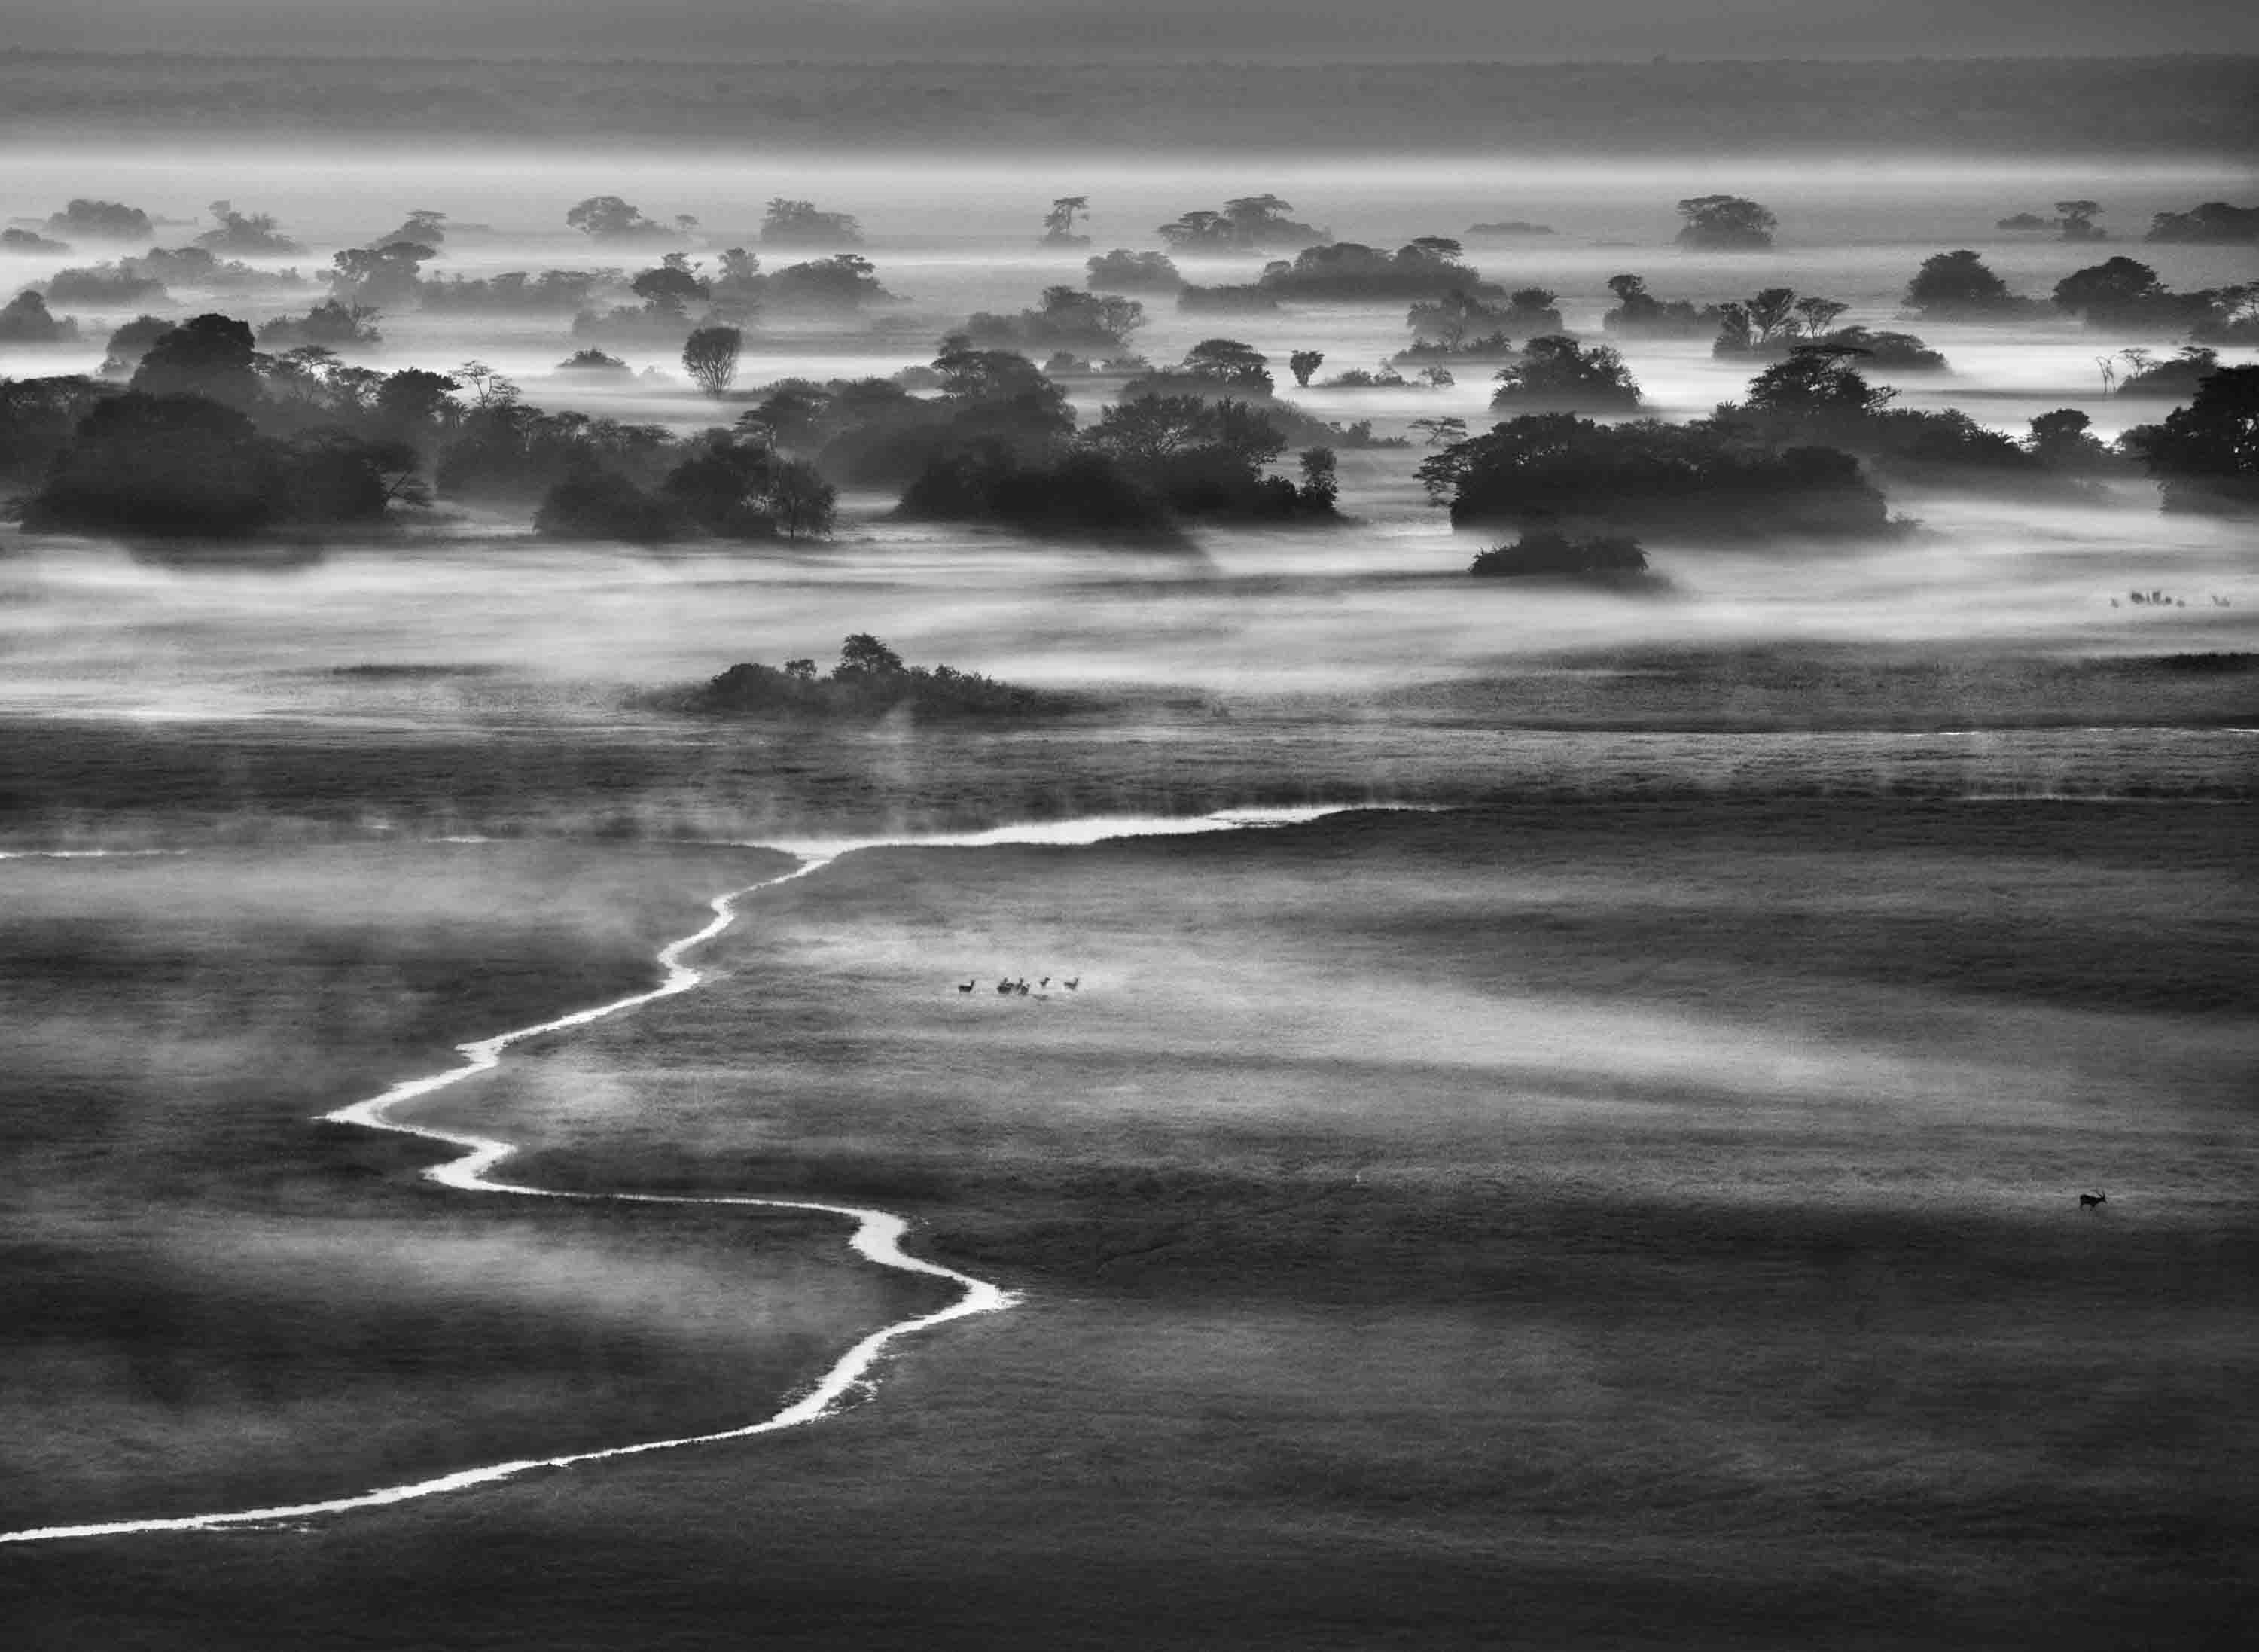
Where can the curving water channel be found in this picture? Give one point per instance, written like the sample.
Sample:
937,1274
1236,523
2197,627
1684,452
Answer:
878,1235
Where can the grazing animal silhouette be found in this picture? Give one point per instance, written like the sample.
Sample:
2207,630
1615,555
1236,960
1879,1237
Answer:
1072,985
1003,986
1021,987
2093,1201
968,986
1046,982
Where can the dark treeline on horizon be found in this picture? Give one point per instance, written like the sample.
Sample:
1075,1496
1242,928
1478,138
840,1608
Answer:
2087,105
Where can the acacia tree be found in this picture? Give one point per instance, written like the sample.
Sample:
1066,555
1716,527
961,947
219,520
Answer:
1229,361
1059,223
2077,220
709,356
1817,316
607,217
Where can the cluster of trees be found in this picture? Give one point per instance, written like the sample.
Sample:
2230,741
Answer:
1726,223
85,220
2124,292
27,242
1247,223
1548,553
1549,470
1065,318
2074,221
2214,223
1553,374
1776,321
1451,326
346,329
2204,457
1124,271
255,233
607,217
1638,313
789,223
870,680
213,436
1427,266
25,320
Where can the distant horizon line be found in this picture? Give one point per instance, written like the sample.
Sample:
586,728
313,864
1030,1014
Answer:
1049,57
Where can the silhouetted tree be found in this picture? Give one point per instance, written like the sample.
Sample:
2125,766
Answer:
89,220
1555,374
1124,271
208,356
1726,223
1303,363
1059,223
2204,457
709,356
24,319
607,217
2076,220
1958,282
1227,361
246,233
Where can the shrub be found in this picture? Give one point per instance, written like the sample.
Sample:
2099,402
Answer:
1543,551
593,504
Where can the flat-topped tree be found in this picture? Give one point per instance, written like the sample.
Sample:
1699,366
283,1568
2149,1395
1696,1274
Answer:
2075,219
1726,223
1228,362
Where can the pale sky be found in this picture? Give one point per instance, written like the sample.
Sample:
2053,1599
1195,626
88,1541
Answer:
1102,29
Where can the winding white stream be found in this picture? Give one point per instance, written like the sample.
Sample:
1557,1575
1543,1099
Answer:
878,1235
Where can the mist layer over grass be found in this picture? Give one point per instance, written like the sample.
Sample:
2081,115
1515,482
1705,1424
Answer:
1637,1224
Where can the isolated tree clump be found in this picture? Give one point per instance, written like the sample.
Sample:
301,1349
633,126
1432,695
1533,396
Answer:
2204,457
1066,318
1555,374
25,320
2215,222
1638,313
1957,283
1059,223
333,325
1545,552
870,681
1124,271
789,223
607,217
89,220
241,233
1549,469
1726,223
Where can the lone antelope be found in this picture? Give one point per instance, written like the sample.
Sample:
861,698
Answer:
1072,985
968,986
2093,1201
1046,982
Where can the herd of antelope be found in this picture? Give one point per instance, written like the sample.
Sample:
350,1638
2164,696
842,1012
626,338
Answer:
1011,988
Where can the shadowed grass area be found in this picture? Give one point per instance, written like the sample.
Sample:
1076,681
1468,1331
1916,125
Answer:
209,1300
1604,1227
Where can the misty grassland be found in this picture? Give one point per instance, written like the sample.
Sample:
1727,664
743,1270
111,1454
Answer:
1616,1188
1587,1224
213,1299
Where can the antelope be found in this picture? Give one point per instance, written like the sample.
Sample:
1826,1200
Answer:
1046,982
1003,986
1021,987
968,986
1072,985
2093,1201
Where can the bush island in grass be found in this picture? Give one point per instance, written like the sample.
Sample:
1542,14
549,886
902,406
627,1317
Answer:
1703,477
1543,553
870,681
